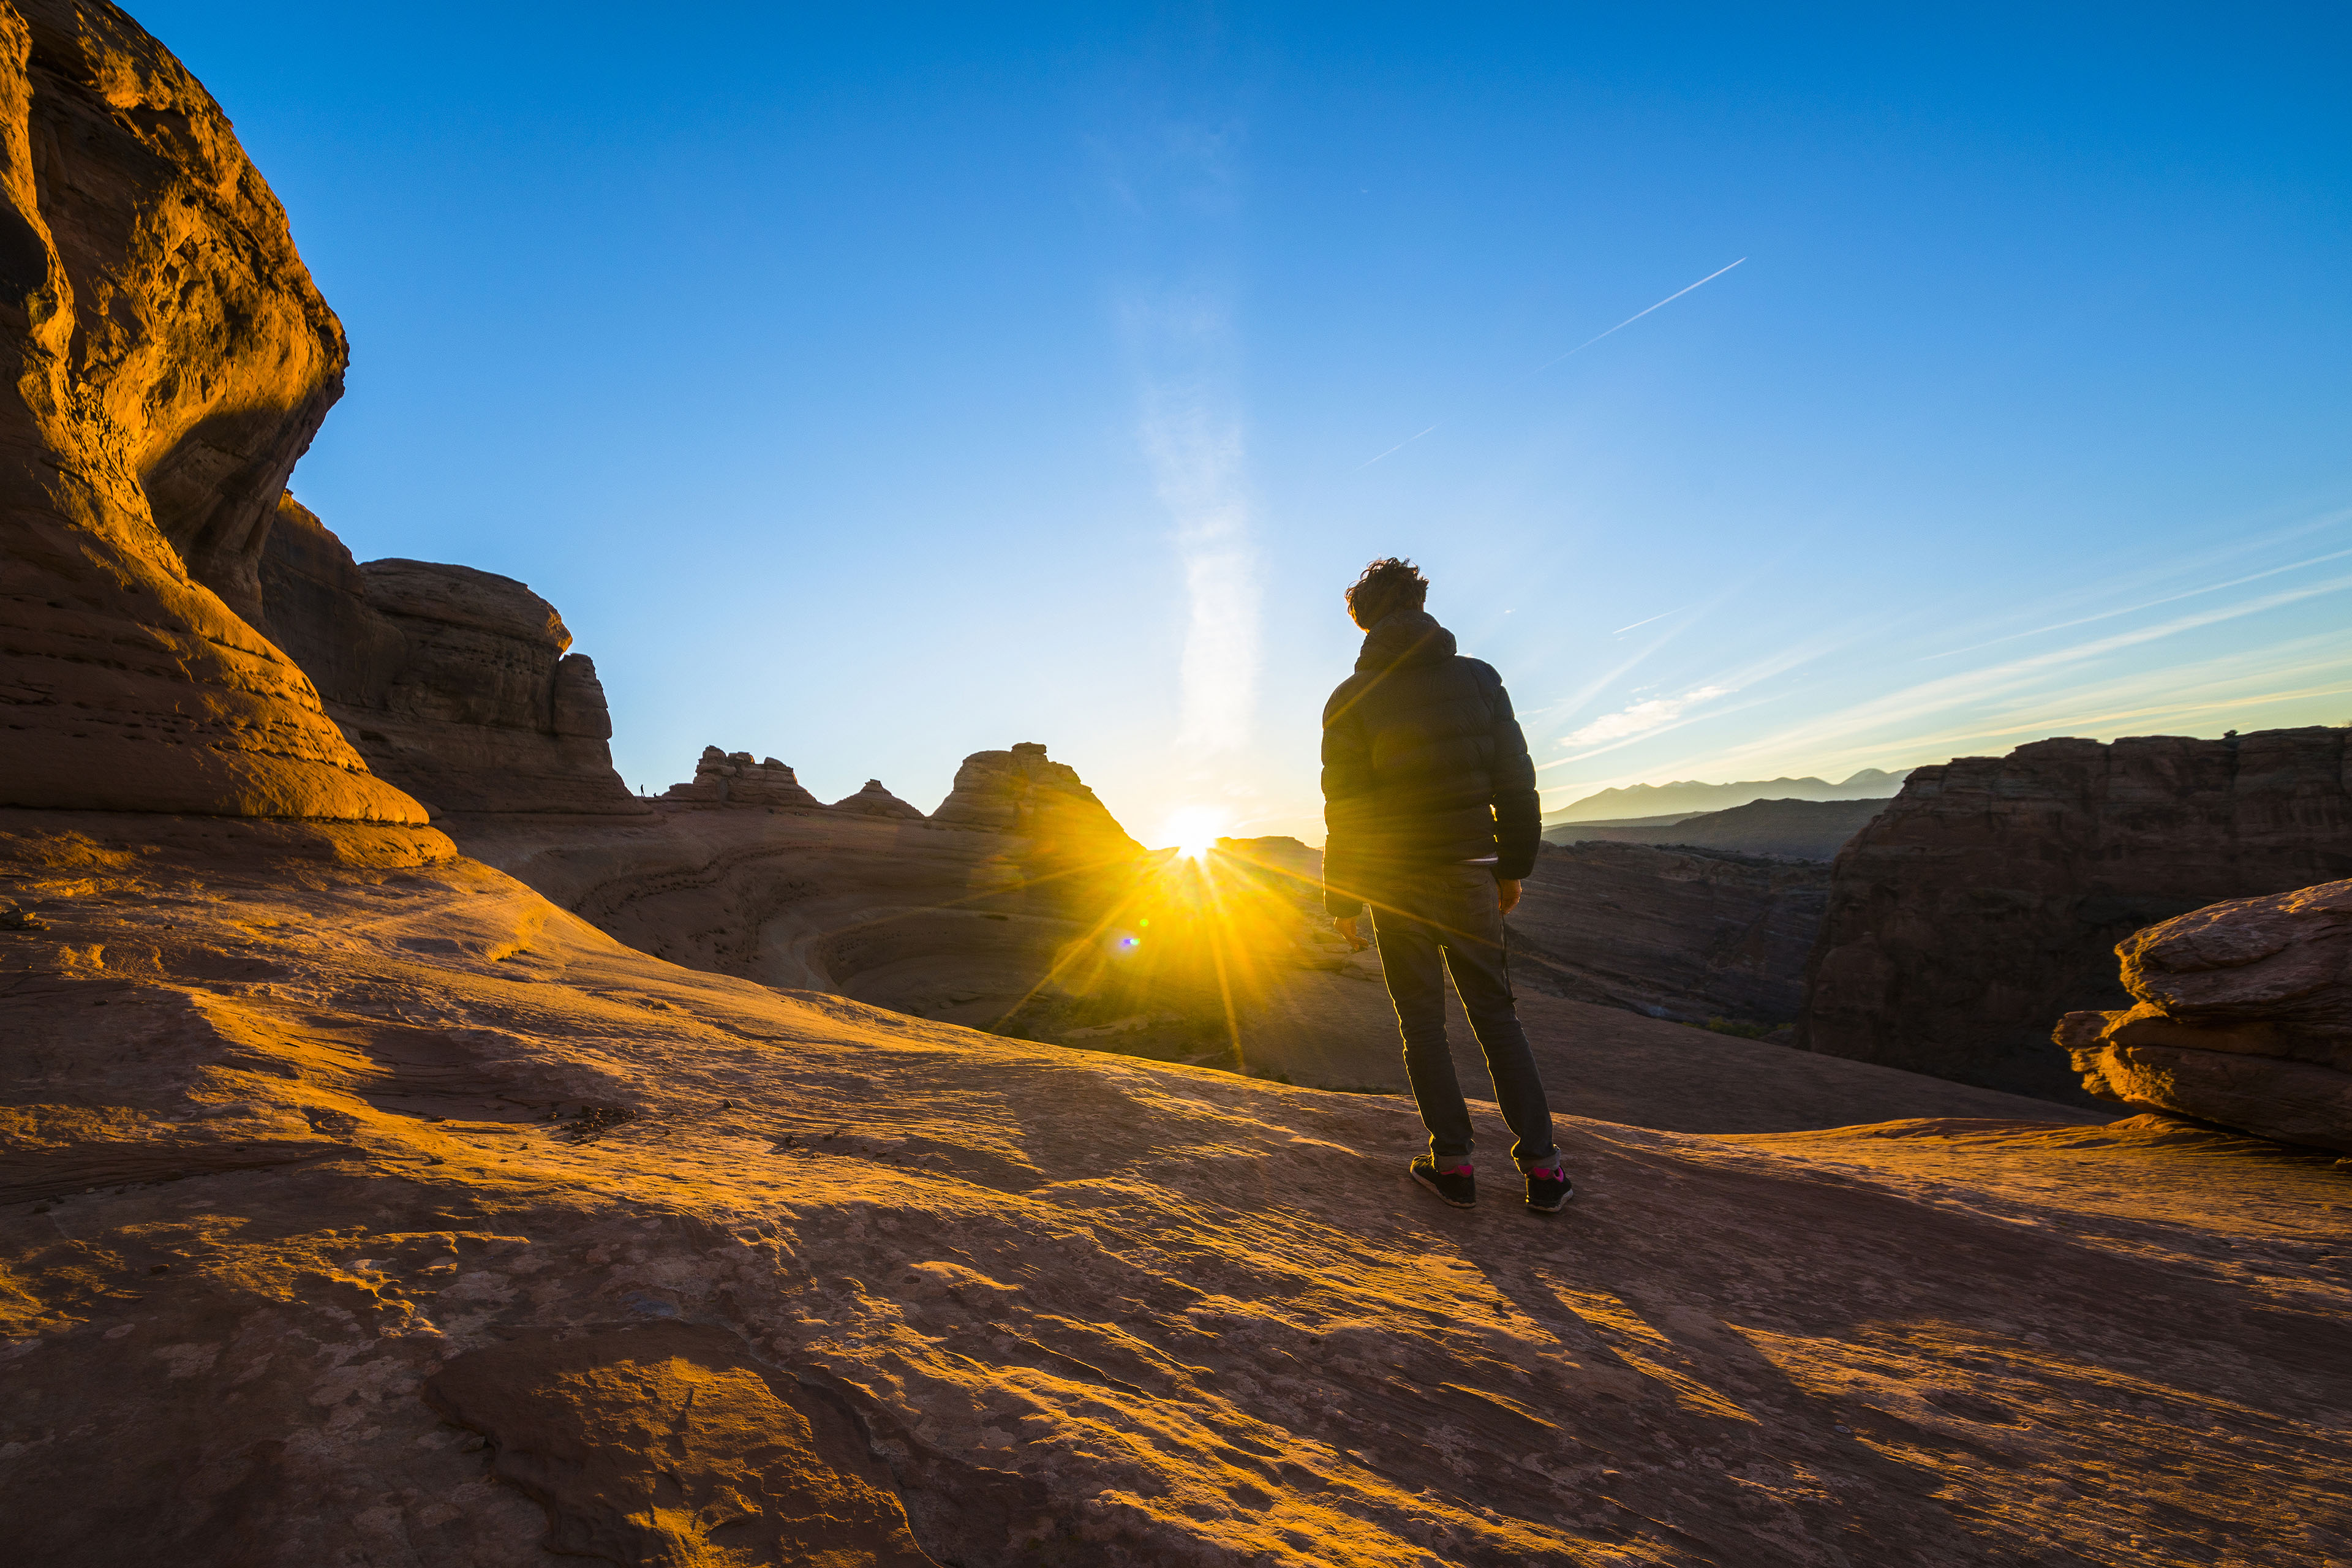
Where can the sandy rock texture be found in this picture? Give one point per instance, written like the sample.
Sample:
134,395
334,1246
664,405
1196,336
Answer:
454,684
2244,1017
1988,900
406,1218
1673,933
167,360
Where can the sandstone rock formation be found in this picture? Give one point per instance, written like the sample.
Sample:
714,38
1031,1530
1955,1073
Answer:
875,801
166,361
1988,898
2244,1017
1673,933
732,778
301,1270
1021,791
454,684
1791,830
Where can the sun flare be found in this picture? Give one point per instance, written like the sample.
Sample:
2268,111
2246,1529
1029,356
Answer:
1193,831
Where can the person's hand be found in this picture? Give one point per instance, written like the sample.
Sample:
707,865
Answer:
1506,895
1346,926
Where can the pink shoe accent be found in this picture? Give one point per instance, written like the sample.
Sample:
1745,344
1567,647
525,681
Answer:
1464,1169
1552,1174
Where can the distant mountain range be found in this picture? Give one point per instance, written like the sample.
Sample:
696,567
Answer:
1690,796
1805,829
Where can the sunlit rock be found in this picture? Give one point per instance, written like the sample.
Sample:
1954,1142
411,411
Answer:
167,360
2244,1017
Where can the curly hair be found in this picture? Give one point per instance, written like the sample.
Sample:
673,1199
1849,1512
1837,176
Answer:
1388,585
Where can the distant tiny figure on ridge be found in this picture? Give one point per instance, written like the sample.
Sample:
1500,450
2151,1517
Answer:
1431,816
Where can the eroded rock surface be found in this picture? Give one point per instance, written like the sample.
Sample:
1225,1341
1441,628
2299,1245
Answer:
166,360
1076,1309
2244,1017
454,684
1989,897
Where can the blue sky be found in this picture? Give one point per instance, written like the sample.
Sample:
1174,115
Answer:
868,386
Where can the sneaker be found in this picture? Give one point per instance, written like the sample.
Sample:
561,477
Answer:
1547,1190
1458,1186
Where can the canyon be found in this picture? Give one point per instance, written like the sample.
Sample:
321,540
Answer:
416,1149
1987,900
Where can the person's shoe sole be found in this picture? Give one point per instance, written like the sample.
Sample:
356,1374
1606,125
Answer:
1434,1187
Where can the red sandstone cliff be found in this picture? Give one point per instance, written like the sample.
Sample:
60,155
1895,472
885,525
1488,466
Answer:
1988,898
165,360
454,684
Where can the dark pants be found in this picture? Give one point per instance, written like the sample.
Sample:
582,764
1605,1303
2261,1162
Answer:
1445,918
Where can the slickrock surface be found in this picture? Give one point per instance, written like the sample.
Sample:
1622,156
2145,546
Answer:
2244,1017
732,778
786,1265
1795,829
454,684
875,801
1673,933
1988,900
166,361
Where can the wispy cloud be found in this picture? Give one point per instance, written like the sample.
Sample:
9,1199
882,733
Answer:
1191,433
1641,718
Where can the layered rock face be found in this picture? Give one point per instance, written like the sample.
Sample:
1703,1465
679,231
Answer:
1675,933
732,778
166,361
453,683
1988,898
2244,1017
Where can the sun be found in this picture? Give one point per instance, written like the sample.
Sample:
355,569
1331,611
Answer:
1194,831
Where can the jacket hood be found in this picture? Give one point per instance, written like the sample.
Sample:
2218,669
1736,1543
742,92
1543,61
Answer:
1404,637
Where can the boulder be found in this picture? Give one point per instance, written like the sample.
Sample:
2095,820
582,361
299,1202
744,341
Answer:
875,801
732,778
454,683
1989,897
167,360
2244,1017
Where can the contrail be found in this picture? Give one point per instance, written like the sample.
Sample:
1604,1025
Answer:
1629,321
1661,615
1579,348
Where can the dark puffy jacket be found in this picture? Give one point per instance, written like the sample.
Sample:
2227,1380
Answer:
1422,765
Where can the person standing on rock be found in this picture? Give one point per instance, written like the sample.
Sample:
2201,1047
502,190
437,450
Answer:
1431,818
